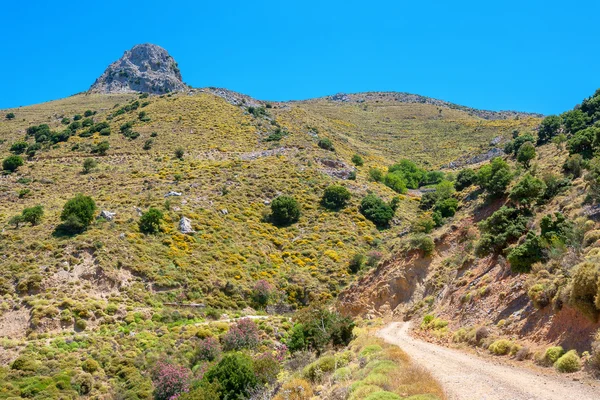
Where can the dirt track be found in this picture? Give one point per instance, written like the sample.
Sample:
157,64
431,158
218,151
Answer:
468,377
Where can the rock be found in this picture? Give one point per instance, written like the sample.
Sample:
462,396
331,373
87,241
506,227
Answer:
138,211
145,68
172,193
185,226
224,211
122,236
267,202
107,215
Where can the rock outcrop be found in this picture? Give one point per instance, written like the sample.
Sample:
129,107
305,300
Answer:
145,68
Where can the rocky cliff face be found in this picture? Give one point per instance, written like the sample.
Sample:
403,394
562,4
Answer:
145,68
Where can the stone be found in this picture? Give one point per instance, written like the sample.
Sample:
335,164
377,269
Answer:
107,215
146,68
172,193
224,211
185,226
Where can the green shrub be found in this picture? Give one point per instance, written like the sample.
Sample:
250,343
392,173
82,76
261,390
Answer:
235,376
383,395
370,350
465,178
585,289
88,165
90,365
422,242
376,210
500,347
494,177
550,127
285,210
33,215
528,190
150,221
315,370
573,165
179,153
568,362
411,174
395,181
375,174
335,197
78,213
552,354
525,154
502,227
522,257
357,263
326,144
18,147
88,113
12,163
357,160
101,148
10,116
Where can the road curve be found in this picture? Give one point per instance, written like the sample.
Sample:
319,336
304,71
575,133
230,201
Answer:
468,377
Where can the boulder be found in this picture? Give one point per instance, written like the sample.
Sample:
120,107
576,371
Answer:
107,215
172,193
185,226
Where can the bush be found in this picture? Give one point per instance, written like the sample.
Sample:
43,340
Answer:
235,375
12,163
244,334
375,174
573,165
88,165
357,263
357,160
170,380
522,257
528,190
494,177
395,181
179,153
335,197
32,149
423,243
78,213
266,368
465,178
148,144
262,292
150,221
500,347
90,365
423,224
585,290
88,113
502,227
376,210
10,116
209,349
383,395
326,144
550,127
447,207
18,147
569,362
285,210
408,170
102,148
552,355
33,215
526,154
317,328
295,389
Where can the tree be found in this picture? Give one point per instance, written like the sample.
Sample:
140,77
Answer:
526,154
395,181
408,170
78,213
549,128
10,116
102,148
179,153
375,174
235,376
559,140
150,220
19,147
33,215
494,177
528,190
285,210
358,160
88,165
465,178
502,227
573,165
12,163
16,220
582,142
335,197
376,210
522,257
326,144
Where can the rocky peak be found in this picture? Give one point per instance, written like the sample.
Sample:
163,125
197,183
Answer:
145,68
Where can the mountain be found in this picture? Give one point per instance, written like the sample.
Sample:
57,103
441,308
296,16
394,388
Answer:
146,68
92,311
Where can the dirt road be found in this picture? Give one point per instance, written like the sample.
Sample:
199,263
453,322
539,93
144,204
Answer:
469,377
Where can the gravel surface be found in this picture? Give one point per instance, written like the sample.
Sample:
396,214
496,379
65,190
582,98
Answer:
469,377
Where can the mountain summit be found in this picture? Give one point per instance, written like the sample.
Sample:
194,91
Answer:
145,68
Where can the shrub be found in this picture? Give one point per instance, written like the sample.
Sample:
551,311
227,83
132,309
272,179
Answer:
573,165
423,243
285,210
33,215
78,213
585,289
295,389
395,181
83,383
88,113
408,170
18,147
522,257
12,163
526,154
90,365
10,116
550,127
262,292
235,375
500,347
447,207
209,349
170,380
244,334
266,368
88,165
102,148
32,149
357,160
150,221
357,263
552,355
326,144
494,177
375,174
148,144
528,190
335,197
376,210
568,362
317,328
383,395
423,224
465,178
502,227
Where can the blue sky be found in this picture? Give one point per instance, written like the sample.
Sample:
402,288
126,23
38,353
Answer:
539,56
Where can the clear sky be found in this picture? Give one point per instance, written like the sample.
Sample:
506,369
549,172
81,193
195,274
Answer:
541,56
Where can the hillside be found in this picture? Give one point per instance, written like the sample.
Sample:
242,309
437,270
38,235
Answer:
125,298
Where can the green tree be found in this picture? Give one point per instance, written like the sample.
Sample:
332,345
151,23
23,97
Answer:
33,215
395,181
526,154
88,165
522,257
102,148
335,197
358,160
10,116
549,128
285,210
235,376
16,220
574,165
150,220
501,228
12,163
19,147
465,178
528,190
78,213
582,142
494,177
376,210
375,174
